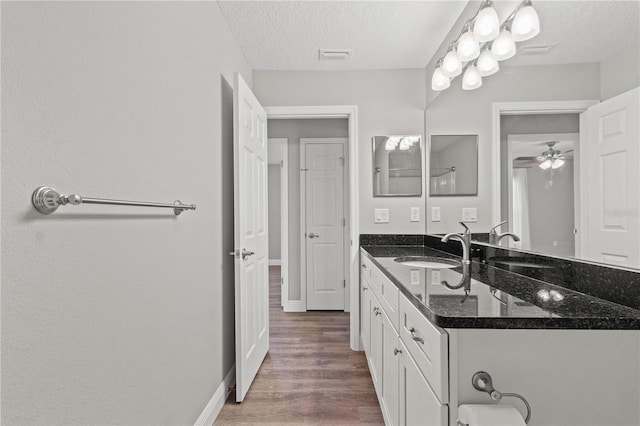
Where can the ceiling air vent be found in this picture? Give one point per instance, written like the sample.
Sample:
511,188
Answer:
335,53
537,49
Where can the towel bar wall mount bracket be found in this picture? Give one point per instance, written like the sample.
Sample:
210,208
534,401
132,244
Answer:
47,200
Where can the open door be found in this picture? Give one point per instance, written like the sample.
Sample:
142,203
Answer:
609,179
250,234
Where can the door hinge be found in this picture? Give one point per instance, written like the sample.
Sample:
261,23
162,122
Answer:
344,222
341,161
281,163
344,283
281,281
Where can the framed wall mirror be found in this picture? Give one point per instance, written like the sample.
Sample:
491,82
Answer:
397,166
453,165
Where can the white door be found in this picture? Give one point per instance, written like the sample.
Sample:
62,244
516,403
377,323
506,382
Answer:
251,239
609,178
323,175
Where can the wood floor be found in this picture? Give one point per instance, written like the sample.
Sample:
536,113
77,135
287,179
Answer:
310,375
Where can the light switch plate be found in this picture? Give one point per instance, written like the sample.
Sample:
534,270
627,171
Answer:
435,214
415,214
435,277
381,216
415,276
469,214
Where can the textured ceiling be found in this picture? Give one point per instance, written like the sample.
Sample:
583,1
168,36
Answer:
286,35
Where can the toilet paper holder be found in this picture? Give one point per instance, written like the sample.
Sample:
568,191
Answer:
482,382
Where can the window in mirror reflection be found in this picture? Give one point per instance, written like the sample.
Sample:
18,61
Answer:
453,165
397,166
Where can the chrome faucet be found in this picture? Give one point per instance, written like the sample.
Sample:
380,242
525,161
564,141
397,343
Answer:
465,239
494,237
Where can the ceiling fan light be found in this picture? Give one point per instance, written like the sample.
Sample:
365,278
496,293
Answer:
487,64
545,164
526,24
503,47
439,81
557,163
471,79
487,25
468,48
451,65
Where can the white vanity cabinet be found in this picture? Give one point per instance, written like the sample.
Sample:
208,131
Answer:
401,360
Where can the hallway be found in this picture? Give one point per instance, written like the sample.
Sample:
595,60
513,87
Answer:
309,376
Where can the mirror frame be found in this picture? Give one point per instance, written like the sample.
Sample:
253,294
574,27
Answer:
373,168
477,136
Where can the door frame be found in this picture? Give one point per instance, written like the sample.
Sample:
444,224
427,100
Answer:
528,108
350,112
303,217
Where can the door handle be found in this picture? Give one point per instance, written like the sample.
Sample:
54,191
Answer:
246,254
312,235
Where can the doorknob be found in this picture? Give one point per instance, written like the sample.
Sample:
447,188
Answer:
312,235
246,254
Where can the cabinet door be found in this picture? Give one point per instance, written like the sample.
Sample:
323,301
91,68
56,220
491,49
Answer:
375,344
390,371
418,404
365,316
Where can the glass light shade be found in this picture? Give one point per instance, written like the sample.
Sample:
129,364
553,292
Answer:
545,164
451,65
439,81
487,64
468,47
487,25
503,47
471,79
557,163
526,24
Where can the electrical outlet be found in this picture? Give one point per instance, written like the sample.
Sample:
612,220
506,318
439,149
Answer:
381,216
435,276
415,276
469,214
415,214
435,214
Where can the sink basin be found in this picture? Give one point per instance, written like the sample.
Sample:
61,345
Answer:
522,262
428,262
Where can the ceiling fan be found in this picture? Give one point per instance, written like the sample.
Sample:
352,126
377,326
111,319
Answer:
549,159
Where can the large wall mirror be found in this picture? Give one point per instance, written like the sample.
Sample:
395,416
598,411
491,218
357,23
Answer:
397,166
453,165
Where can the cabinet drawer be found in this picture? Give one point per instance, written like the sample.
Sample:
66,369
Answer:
366,268
388,295
428,345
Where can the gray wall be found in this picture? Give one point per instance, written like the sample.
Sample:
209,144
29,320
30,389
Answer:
620,72
116,315
389,103
293,130
274,212
456,111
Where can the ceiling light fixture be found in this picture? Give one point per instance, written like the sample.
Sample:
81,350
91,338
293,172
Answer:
552,158
485,42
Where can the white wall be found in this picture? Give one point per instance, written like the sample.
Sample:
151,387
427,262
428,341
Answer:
116,315
620,72
457,111
389,103
293,130
274,212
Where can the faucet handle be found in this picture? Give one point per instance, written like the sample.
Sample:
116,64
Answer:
493,230
466,228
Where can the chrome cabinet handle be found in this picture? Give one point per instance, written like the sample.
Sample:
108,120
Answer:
376,311
312,235
365,288
414,337
364,266
246,254
396,351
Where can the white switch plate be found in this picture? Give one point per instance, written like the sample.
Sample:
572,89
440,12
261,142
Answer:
415,214
381,216
415,276
435,277
435,214
469,214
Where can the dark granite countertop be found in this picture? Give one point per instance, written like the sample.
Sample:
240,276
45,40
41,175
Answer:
495,298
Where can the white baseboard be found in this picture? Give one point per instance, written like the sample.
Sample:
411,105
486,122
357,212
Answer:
214,406
295,306
275,262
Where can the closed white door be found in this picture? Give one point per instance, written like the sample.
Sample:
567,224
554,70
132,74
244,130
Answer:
251,239
609,181
323,175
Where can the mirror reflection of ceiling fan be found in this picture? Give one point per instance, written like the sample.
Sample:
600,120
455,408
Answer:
550,159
